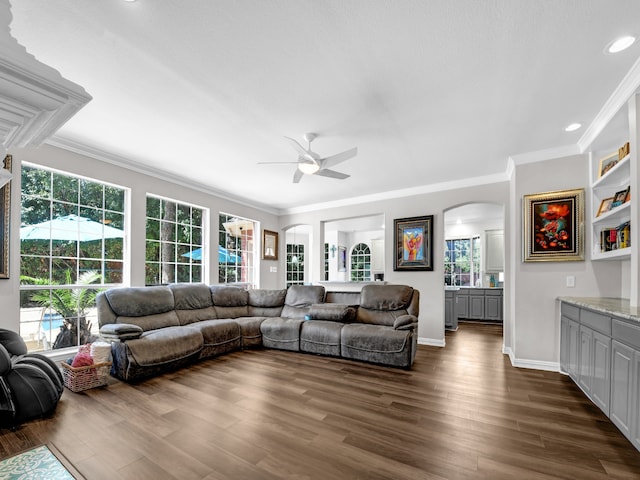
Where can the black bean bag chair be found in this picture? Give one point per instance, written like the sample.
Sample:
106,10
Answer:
30,384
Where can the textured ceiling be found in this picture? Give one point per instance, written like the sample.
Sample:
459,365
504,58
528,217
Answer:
429,91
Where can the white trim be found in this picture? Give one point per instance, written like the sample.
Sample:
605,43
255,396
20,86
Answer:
620,96
547,154
406,192
433,342
532,364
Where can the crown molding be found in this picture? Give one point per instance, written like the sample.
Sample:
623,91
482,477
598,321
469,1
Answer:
621,95
407,192
542,155
122,162
35,100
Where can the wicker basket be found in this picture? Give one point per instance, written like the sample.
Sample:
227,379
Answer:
78,379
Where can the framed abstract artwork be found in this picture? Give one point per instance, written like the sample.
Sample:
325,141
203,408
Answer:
413,240
553,226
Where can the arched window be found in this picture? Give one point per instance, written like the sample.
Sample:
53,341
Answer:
361,263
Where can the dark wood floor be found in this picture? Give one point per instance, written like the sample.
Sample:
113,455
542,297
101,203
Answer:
462,413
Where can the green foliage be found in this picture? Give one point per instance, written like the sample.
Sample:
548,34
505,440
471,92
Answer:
71,302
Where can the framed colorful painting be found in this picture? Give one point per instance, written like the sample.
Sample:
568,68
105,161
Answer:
553,226
413,239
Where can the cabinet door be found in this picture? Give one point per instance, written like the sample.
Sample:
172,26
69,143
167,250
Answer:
476,306
622,387
494,251
585,359
377,255
461,305
574,350
493,308
448,309
635,401
601,371
564,344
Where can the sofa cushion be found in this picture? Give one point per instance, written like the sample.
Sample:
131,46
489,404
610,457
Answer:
332,312
217,332
140,301
266,303
192,302
299,298
377,344
152,322
230,302
165,345
322,337
250,331
281,333
382,304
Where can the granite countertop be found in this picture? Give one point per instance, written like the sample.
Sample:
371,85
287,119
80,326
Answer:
620,307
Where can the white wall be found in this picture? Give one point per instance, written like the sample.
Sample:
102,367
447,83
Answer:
536,337
140,184
430,284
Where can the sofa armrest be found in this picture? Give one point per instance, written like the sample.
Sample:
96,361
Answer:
405,322
120,331
334,312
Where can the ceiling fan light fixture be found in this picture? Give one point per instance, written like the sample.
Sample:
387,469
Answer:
308,168
620,44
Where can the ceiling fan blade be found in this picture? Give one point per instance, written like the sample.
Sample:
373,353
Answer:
297,176
304,153
338,158
332,174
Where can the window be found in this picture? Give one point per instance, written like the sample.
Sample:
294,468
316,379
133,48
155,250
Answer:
326,262
72,246
295,264
237,251
174,242
361,263
462,262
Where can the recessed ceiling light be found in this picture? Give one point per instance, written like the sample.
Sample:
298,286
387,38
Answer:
573,127
620,44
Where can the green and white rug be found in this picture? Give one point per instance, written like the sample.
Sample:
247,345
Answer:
35,464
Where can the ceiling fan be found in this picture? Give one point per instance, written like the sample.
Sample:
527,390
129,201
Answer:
311,163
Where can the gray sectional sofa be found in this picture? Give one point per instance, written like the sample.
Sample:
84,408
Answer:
155,329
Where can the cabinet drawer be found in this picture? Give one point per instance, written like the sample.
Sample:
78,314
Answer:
597,321
626,333
493,292
570,311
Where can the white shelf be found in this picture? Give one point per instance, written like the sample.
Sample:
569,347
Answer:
620,254
618,214
617,176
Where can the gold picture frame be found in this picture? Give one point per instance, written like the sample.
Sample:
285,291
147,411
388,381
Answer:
553,226
5,216
269,245
607,163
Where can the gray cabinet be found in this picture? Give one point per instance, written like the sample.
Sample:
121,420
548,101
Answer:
479,304
449,306
493,305
622,359
476,304
601,353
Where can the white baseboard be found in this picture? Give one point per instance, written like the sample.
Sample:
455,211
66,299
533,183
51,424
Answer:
533,364
433,342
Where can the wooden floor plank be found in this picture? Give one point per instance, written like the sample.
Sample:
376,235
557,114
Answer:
462,412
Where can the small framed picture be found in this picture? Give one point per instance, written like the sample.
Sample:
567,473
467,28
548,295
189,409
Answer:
269,245
607,163
605,206
628,197
618,198
413,239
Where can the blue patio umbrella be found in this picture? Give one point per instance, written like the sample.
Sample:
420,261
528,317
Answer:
71,228
224,255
